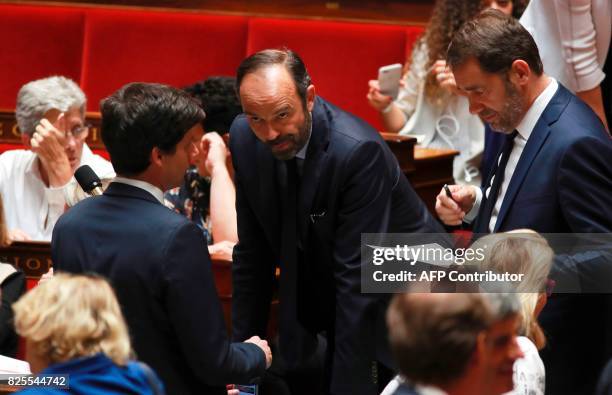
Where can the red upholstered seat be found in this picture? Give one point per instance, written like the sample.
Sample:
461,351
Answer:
341,57
173,48
38,42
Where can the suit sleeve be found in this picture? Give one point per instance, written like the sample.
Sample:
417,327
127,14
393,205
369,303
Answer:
194,309
584,185
365,207
252,272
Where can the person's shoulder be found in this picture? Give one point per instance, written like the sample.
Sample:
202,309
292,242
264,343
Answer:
16,158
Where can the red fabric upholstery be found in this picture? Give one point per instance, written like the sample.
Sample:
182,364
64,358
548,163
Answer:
38,42
172,48
8,147
341,57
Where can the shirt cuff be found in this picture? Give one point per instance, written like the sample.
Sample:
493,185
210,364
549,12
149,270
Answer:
469,217
56,195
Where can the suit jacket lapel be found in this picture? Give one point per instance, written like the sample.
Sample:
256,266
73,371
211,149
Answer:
268,197
316,156
532,148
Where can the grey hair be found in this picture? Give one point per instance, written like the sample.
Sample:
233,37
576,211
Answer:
52,93
502,304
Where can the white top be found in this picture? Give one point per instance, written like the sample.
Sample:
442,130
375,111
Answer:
528,372
31,206
573,37
447,125
524,128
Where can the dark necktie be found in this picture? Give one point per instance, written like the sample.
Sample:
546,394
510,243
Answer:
486,208
290,331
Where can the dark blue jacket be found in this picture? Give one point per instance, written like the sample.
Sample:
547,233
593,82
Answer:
97,375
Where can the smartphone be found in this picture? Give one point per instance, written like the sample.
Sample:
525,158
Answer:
388,79
247,389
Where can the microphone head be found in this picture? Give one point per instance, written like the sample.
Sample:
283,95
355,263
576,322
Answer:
87,178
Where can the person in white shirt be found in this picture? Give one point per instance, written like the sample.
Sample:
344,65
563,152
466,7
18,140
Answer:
37,182
573,37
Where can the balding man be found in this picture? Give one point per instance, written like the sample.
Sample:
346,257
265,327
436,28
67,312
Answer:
310,179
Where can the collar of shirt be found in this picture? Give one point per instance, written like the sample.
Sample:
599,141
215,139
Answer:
152,189
525,127
302,153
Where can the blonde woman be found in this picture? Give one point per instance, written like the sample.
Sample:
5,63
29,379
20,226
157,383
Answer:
523,252
73,326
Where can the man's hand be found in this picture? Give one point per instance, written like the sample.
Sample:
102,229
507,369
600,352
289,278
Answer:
264,347
213,153
445,77
377,99
452,211
18,235
49,144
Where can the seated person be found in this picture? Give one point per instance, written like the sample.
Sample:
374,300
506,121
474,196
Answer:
73,326
207,196
455,344
429,107
35,183
12,286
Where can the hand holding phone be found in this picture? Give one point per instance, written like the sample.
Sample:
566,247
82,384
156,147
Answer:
389,78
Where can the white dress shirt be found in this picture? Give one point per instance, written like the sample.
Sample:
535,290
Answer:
29,204
152,189
524,128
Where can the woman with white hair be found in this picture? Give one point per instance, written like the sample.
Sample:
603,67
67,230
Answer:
523,252
73,326
35,183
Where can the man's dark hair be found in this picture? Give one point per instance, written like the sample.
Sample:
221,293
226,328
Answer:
495,40
433,340
140,116
270,57
218,99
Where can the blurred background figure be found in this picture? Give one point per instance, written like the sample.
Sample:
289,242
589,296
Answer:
523,251
207,195
73,326
12,286
573,37
429,106
456,344
36,183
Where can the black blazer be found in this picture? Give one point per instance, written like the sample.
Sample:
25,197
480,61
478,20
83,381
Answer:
351,184
158,264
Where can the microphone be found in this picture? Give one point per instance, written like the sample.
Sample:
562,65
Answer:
88,180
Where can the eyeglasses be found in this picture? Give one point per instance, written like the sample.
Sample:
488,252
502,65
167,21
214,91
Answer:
78,132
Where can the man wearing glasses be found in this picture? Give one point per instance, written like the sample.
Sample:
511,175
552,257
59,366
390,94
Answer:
37,182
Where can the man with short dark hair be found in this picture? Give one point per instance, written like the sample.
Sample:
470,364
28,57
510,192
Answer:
552,175
465,344
157,260
310,179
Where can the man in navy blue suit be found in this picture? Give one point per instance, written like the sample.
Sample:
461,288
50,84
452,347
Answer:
552,175
157,260
310,179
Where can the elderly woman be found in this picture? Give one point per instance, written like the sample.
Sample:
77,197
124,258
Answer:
523,252
36,183
73,326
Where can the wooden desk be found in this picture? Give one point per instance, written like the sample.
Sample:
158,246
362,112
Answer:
433,169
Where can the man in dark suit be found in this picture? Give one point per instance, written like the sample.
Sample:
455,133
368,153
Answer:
310,179
157,260
552,175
